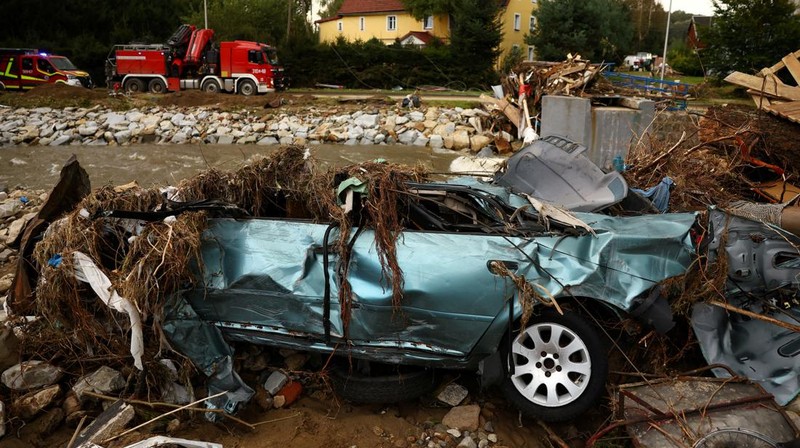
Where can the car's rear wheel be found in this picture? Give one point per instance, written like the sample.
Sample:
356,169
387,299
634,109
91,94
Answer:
156,85
559,367
380,383
133,85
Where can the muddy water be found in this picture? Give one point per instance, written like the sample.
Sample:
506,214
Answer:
34,167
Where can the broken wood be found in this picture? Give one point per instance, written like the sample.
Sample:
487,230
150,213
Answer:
169,405
511,112
768,85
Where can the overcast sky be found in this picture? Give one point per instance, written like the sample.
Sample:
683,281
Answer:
698,7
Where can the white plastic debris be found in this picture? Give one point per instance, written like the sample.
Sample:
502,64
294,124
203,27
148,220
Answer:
87,271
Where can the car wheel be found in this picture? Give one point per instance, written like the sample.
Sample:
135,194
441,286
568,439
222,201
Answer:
210,86
560,367
247,87
381,383
157,86
133,85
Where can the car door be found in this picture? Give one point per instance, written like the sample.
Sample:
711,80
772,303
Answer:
450,294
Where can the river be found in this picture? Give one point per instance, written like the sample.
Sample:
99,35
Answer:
37,167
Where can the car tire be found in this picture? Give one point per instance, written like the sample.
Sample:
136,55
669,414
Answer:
383,384
133,85
157,86
211,86
247,87
560,367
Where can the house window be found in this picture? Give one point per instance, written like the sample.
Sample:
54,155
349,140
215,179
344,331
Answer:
533,24
531,52
517,21
340,26
428,23
391,23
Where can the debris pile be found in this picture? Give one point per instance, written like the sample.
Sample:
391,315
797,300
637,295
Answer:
768,89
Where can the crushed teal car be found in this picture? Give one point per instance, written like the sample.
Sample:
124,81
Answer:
465,248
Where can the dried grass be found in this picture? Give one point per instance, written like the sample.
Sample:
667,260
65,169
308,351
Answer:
148,261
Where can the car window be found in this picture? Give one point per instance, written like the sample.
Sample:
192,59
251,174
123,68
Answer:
44,66
27,64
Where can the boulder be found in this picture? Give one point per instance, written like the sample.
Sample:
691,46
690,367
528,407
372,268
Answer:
453,394
461,140
30,404
478,142
102,381
9,347
464,418
30,375
275,382
368,121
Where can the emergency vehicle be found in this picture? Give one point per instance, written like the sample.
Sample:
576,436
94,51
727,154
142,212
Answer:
26,68
191,60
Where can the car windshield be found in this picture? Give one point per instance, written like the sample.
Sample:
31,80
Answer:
271,55
62,63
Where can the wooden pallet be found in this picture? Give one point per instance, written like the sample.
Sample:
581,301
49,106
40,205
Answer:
769,92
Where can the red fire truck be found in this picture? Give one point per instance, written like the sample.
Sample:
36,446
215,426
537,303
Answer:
191,60
26,68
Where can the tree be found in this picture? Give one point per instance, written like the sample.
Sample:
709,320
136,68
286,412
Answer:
600,30
330,7
649,24
475,32
748,35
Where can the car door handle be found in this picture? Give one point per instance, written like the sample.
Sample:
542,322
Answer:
493,265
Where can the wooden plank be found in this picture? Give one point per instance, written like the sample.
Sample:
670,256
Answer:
510,111
768,86
787,108
781,64
760,101
795,117
764,94
793,65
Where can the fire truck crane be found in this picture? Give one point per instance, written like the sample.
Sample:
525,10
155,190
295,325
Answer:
191,60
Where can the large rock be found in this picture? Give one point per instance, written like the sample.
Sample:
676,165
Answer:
28,405
2,419
368,121
464,418
102,381
478,142
9,208
9,347
30,375
460,140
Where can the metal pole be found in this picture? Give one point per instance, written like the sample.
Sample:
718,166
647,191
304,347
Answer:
205,12
666,40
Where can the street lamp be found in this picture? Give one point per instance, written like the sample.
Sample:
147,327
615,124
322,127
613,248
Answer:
666,40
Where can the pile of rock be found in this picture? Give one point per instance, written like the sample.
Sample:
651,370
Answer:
456,128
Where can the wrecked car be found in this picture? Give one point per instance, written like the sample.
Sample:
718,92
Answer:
475,261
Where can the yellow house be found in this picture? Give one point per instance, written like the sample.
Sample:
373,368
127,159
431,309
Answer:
388,21
385,20
518,20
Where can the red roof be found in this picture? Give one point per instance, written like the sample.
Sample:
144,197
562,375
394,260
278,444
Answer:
370,6
423,36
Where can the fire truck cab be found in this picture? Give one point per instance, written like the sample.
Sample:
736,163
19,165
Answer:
26,68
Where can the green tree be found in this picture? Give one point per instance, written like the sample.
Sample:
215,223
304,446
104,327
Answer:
330,8
600,30
748,35
475,33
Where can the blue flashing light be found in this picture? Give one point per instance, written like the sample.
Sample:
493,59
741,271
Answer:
44,55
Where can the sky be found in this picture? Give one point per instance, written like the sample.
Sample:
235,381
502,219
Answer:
697,7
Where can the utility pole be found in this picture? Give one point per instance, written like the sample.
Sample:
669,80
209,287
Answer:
205,12
289,20
666,40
